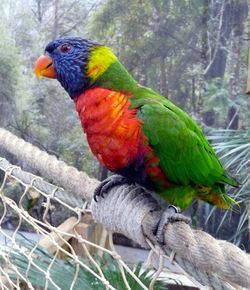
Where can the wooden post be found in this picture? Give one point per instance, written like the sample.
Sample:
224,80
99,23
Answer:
67,227
248,75
87,228
92,232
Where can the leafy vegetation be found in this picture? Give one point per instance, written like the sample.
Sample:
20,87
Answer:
62,272
233,147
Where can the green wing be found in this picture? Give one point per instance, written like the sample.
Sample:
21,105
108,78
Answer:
185,155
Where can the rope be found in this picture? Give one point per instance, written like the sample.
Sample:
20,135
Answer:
28,179
136,214
132,211
49,166
204,251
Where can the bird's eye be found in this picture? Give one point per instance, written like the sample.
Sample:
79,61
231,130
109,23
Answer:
64,48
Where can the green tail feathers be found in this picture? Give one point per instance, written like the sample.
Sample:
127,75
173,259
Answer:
182,196
217,196
229,180
232,203
222,200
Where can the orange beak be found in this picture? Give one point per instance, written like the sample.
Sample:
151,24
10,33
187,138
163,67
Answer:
44,67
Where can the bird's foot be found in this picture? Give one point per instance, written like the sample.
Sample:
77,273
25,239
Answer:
170,215
108,183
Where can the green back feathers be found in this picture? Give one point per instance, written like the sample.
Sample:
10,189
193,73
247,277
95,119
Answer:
185,155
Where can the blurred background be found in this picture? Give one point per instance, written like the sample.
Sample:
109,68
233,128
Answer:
194,52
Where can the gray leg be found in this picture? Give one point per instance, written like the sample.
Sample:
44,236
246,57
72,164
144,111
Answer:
108,183
171,214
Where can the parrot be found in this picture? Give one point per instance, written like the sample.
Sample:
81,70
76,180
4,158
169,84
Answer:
134,131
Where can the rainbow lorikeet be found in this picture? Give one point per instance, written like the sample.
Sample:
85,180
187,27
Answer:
134,131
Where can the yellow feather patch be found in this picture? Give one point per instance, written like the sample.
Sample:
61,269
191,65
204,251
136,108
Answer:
100,59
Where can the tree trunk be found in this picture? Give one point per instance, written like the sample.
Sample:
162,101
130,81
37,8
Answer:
223,25
39,10
239,14
55,27
204,39
163,79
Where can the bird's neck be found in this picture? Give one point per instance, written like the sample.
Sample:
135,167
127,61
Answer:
100,59
104,70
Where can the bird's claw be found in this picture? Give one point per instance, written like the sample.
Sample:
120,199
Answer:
107,184
171,214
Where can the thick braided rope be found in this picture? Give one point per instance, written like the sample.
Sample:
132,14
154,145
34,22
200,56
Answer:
138,216
131,211
49,166
28,179
126,211
205,278
214,280
204,251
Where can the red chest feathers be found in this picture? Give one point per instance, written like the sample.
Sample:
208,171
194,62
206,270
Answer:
114,133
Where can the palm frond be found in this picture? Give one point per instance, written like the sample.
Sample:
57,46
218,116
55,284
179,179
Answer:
233,149
62,272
